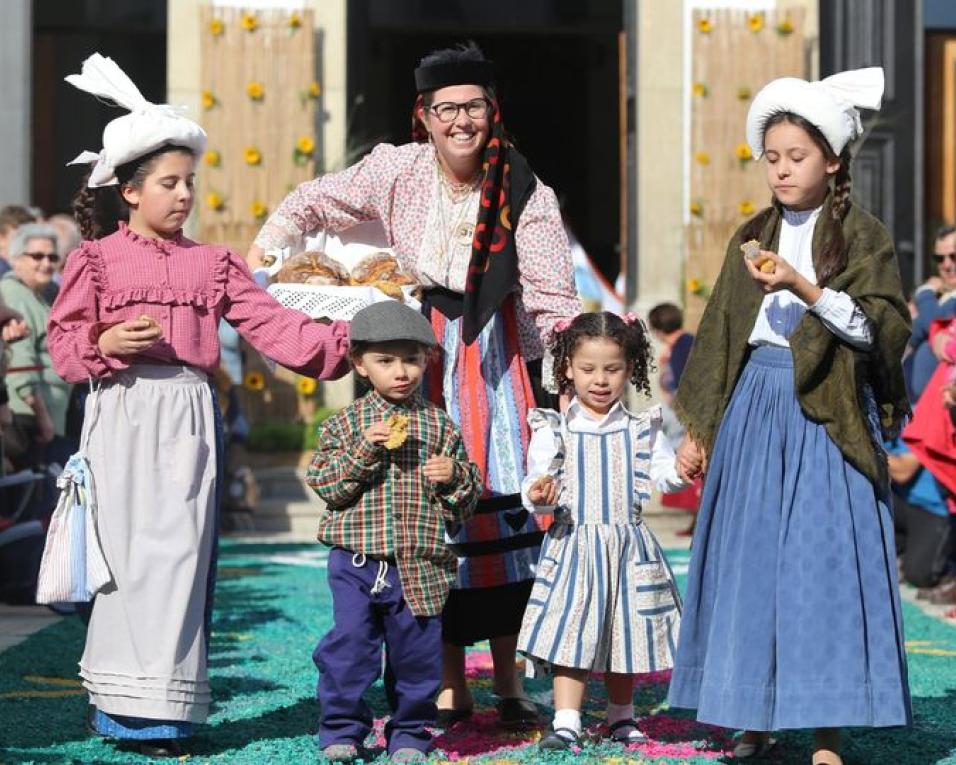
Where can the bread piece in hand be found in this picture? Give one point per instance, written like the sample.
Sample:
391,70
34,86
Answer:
398,431
751,251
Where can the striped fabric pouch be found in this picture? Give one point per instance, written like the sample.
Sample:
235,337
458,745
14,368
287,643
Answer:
73,568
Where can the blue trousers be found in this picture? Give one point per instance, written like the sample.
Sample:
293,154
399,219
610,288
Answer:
370,609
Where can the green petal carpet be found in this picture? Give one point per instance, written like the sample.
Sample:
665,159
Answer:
272,606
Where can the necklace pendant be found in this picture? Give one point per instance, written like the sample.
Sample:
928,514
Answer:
464,233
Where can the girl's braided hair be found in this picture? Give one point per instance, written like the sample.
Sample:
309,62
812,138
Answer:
830,261
98,211
630,334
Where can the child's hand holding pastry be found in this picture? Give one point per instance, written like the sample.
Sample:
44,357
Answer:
378,433
129,337
544,491
439,469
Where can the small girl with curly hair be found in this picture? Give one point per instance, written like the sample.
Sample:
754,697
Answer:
604,599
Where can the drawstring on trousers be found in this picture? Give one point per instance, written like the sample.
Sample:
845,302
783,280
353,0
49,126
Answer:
381,581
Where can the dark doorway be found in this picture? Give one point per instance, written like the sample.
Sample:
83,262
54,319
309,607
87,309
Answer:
65,120
557,70
887,172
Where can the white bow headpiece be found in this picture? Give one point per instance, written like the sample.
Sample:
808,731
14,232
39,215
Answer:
831,105
147,127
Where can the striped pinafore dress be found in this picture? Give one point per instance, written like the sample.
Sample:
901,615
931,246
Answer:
604,597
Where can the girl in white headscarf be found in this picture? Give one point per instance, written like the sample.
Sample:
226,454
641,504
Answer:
792,617
139,310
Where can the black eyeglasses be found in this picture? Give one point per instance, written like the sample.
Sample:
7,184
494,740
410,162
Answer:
38,256
447,111
940,257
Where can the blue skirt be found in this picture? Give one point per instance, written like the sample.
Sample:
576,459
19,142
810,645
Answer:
792,614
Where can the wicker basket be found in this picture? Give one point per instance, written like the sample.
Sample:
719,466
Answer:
336,303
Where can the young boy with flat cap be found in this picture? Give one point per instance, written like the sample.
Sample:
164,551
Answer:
392,470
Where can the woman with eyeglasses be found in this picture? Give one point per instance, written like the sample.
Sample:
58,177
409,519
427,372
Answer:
38,396
466,217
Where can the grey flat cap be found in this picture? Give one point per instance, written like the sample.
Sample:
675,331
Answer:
388,321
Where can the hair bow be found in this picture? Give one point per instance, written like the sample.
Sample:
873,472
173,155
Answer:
562,325
629,318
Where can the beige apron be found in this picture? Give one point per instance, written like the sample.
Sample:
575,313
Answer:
152,452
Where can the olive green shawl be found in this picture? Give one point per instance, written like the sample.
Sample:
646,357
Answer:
828,373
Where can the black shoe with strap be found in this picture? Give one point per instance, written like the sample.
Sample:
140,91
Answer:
559,738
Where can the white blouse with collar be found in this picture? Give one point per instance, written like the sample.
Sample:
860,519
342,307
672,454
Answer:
541,450
781,311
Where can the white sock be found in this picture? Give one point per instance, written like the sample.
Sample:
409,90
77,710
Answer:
618,712
567,718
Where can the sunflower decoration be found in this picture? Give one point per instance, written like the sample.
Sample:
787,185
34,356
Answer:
314,90
697,209
215,201
746,208
705,26
252,156
255,90
700,90
784,27
306,386
702,158
216,27
209,100
254,381
303,149
295,21
755,22
744,93
744,154
697,287
212,158
249,22
258,210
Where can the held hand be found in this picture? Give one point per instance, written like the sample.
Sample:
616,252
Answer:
935,282
14,330
544,491
129,337
783,276
439,469
378,433
691,459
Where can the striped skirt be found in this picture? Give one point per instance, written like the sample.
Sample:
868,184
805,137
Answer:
792,614
604,599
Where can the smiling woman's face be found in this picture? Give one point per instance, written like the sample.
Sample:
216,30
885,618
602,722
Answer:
464,137
36,265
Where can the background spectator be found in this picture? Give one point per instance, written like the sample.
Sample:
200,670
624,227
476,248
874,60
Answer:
667,325
11,216
38,396
935,300
924,528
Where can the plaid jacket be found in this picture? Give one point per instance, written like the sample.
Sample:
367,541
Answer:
378,501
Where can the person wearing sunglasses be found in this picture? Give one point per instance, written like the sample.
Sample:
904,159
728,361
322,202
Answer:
38,396
469,220
934,300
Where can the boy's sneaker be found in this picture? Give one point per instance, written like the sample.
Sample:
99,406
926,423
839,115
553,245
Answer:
559,738
341,753
407,754
627,732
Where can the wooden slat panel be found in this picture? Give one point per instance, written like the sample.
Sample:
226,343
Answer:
730,63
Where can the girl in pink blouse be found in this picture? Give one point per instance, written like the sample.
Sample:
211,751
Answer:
138,310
